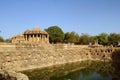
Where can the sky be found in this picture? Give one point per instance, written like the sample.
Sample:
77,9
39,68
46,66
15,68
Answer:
81,16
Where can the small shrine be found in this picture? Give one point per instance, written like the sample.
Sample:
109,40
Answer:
32,36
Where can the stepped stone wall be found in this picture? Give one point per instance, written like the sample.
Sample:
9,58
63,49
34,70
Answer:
19,57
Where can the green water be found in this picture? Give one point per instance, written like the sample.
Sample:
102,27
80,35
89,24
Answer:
87,70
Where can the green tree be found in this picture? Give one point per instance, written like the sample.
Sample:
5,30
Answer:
1,39
71,37
8,40
103,39
92,39
85,39
114,39
95,39
55,34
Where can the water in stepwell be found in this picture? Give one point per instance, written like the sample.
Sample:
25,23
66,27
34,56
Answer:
87,70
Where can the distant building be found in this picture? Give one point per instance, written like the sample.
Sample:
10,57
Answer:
32,36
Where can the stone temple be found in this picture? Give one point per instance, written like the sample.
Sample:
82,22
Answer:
32,36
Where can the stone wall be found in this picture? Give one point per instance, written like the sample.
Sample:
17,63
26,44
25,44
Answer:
19,57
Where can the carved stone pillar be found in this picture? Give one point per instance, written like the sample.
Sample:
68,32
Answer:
41,38
33,38
25,37
29,38
44,38
37,38
47,38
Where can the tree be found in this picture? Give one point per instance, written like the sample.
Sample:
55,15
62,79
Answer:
8,40
114,39
55,34
1,39
71,37
85,39
103,39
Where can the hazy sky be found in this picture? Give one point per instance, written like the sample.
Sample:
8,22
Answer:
82,16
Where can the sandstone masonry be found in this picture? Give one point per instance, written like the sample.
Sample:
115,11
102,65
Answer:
32,36
19,57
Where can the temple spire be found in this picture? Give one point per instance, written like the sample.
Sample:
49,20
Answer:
36,28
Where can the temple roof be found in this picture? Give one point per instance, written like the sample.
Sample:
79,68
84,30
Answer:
18,35
36,30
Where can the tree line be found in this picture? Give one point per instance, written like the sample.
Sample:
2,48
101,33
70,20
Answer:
4,40
56,35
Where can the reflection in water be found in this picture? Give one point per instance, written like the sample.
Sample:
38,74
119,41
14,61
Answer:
88,70
116,73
